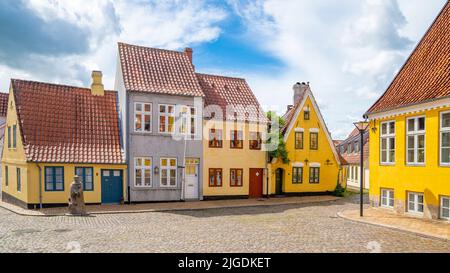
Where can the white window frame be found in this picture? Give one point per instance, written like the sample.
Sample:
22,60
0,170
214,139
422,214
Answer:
143,113
168,168
388,197
443,131
441,208
389,136
415,202
143,168
186,121
166,116
416,133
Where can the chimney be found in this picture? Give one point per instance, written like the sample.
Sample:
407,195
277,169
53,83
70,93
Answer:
188,51
97,88
289,107
299,91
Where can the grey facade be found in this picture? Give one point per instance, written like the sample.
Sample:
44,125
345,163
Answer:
156,145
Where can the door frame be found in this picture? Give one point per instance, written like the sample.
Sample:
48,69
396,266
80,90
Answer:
197,167
121,184
279,171
250,180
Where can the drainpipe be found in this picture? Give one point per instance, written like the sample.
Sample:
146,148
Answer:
127,144
40,186
183,181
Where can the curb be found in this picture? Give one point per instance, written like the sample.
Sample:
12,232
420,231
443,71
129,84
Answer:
426,235
164,210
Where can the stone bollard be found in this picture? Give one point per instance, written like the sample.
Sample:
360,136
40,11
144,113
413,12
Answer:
76,199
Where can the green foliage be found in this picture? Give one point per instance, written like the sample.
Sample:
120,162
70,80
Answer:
281,151
339,191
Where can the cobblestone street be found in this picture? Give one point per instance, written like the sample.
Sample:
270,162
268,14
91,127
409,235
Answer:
288,228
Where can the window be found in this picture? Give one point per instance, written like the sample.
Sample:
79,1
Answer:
297,175
87,177
215,138
236,141
54,178
19,180
9,137
168,172
142,117
356,147
387,198
215,177
349,148
306,114
445,138
314,141
445,208
166,118
314,173
236,177
142,172
298,140
387,139
6,176
188,120
415,202
14,144
415,140
255,141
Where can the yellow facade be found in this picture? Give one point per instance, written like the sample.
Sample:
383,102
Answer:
226,158
324,157
30,193
432,179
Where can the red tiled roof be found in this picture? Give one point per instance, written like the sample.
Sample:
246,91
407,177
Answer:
158,71
227,91
354,158
65,124
289,115
3,104
426,74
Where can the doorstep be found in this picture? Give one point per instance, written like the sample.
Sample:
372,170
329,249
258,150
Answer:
172,206
387,218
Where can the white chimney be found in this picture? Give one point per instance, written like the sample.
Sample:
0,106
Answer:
299,91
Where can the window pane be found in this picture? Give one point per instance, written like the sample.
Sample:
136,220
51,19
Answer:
391,127
411,206
383,143
410,155
148,107
383,128
147,162
138,106
79,172
391,202
147,177
445,139
219,178
232,177
421,124
421,156
420,198
173,177
383,156
138,122
164,177
239,177
421,140
411,142
446,202
173,162
162,123
164,162
162,108
147,123
445,155
171,120
446,213
138,177
138,162
446,120
411,125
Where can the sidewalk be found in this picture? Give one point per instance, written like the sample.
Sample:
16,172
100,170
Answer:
386,218
172,206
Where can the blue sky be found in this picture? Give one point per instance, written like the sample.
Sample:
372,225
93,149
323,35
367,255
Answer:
348,50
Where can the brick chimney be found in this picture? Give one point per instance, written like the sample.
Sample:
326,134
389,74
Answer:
97,88
299,91
188,51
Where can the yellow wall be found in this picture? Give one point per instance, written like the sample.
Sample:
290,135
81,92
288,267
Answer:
329,174
15,158
431,179
227,158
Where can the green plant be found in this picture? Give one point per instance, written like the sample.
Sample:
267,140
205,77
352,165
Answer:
339,191
280,151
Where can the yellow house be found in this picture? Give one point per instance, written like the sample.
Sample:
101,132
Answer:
314,164
410,131
234,160
54,132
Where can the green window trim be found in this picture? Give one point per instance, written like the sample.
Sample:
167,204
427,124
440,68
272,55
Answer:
19,180
52,176
83,173
297,175
314,175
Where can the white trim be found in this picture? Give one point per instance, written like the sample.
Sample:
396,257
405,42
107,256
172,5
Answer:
299,130
168,168
313,130
298,164
441,208
142,167
314,165
166,114
143,113
415,202
416,133
413,109
322,122
441,132
389,136
389,196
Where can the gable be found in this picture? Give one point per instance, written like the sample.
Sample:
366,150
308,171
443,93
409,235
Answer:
315,115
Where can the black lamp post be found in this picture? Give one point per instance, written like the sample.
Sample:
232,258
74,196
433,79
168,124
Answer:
362,127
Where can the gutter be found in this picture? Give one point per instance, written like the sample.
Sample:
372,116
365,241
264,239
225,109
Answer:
127,144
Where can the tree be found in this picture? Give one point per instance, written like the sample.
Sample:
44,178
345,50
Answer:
275,132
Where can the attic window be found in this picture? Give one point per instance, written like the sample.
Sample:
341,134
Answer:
306,113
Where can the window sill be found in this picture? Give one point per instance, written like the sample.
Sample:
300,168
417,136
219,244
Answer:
415,165
387,164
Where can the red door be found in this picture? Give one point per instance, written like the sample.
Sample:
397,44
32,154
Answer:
256,183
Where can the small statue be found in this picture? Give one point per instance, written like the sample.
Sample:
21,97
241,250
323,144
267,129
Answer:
76,199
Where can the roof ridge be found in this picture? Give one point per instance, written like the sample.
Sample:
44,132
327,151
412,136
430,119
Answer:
220,76
56,84
151,48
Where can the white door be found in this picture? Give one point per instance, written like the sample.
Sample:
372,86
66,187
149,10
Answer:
191,184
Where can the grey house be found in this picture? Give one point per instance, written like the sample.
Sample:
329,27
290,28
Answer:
161,106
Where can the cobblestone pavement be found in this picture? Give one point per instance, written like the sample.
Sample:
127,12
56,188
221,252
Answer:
288,228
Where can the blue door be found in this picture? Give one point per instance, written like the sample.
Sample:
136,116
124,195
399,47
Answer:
112,186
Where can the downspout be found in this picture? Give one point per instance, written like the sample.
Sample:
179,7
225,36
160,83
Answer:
127,145
40,186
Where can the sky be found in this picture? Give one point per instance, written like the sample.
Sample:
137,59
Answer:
349,51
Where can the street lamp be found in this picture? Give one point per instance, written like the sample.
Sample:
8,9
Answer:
362,127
